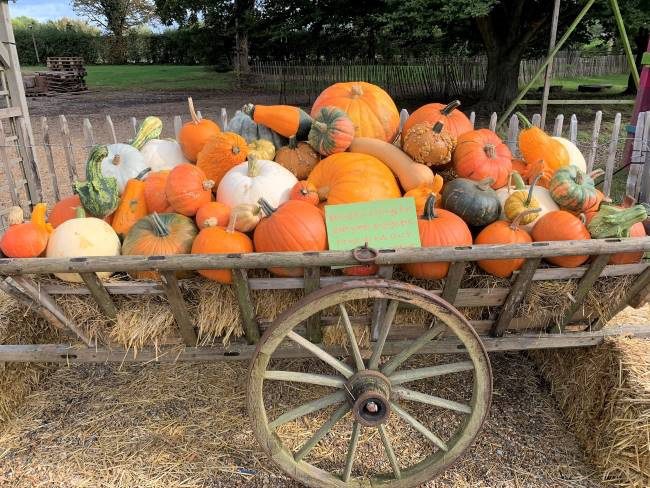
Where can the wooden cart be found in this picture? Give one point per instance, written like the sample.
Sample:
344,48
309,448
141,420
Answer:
371,383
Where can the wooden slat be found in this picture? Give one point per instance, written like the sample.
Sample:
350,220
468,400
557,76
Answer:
67,146
557,127
29,166
644,181
585,284
516,295
594,141
45,129
379,306
111,128
134,124
312,283
224,118
611,156
99,293
635,156
513,134
536,120
635,288
10,112
178,123
493,121
89,135
4,156
573,129
453,280
246,307
178,307
472,118
7,286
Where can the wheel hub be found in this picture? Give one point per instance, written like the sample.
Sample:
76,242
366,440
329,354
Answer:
369,397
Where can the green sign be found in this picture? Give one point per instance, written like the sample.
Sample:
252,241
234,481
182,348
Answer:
383,224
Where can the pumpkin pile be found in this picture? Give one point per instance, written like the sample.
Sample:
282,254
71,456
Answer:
261,182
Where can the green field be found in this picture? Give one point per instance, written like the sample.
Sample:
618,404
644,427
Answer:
618,82
152,77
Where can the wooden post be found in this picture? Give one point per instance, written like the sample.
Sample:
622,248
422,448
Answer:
6,163
626,42
89,135
611,156
45,129
312,283
379,306
179,309
99,293
549,68
246,308
67,146
111,128
453,280
594,141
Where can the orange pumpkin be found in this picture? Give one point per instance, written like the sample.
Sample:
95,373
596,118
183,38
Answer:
421,194
195,133
353,177
154,191
26,239
293,226
456,122
536,145
481,154
219,240
187,189
298,157
133,205
66,209
438,228
218,211
370,108
428,144
560,225
220,154
504,232
305,191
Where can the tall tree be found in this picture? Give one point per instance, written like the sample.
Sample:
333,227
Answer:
116,17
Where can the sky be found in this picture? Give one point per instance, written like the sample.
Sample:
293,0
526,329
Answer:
41,10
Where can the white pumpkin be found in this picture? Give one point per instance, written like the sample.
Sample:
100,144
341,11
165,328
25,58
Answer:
162,154
249,181
81,237
123,162
575,156
541,194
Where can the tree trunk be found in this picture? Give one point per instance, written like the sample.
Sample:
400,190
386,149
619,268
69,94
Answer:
501,80
117,50
244,66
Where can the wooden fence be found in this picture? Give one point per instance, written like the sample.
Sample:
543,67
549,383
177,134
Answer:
439,76
63,149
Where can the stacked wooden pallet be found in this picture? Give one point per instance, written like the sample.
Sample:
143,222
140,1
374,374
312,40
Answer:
65,74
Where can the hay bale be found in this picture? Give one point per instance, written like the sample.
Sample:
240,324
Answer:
604,392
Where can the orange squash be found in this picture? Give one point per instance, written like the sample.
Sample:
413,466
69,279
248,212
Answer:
370,108
218,211
353,177
421,194
482,154
560,225
220,154
195,133
66,209
26,239
219,240
428,144
456,122
286,120
536,145
187,189
305,191
154,191
133,205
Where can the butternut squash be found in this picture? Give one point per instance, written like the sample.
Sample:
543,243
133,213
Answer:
409,173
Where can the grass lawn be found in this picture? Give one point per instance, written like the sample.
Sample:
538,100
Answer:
618,82
152,77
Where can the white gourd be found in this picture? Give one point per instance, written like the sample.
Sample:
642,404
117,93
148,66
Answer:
123,162
575,156
541,194
258,178
81,237
162,154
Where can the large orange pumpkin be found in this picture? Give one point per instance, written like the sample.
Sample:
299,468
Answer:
438,228
481,154
370,108
220,154
293,226
455,122
66,209
353,177
219,240
154,191
195,133
187,189
560,225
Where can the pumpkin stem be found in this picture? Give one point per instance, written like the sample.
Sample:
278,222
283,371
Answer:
596,173
523,120
451,106
530,190
437,127
117,159
253,168
208,184
293,143
159,227
514,225
80,213
266,207
319,126
490,151
356,91
485,184
430,207
195,117
249,109
518,180
580,176
142,174
235,150
15,216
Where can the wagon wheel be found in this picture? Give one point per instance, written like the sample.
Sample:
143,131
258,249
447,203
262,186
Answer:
374,388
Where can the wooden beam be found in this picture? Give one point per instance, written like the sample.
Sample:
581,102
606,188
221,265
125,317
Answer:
178,307
549,69
379,307
453,281
595,101
246,307
312,283
99,293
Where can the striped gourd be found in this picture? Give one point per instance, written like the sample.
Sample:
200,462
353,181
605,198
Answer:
332,131
150,128
99,194
572,189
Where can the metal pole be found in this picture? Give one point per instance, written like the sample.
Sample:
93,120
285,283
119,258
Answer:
557,47
626,42
31,30
549,68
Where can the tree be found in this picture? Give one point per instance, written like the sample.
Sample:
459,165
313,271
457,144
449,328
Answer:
116,17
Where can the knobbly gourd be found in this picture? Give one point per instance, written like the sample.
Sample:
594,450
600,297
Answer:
286,120
410,174
298,157
99,194
536,145
561,225
246,127
437,228
455,122
421,193
473,201
262,149
218,211
370,108
81,237
428,144
187,189
220,154
573,189
195,133
132,207
482,154
26,239
331,131
293,226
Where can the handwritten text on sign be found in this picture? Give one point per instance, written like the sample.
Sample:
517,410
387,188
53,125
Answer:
383,224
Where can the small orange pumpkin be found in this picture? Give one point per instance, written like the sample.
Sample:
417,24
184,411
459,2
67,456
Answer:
187,189
482,154
133,205
26,239
220,154
561,225
421,194
195,133
305,191
66,209
154,191
455,121
218,211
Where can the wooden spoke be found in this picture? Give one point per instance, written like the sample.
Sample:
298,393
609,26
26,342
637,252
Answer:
395,362
352,450
321,432
413,422
342,368
390,453
420,373
383,334
416,396
313,379
358,360
307,408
